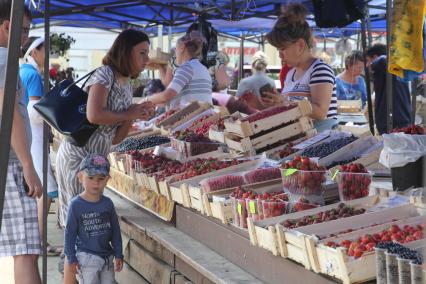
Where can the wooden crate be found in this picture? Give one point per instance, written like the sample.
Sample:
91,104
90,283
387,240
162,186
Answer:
247,144
277,242
246,129
336,263
190,149
158,57
216,135
271,154
349,106
181,189
304,239
356,148
222,210
182,116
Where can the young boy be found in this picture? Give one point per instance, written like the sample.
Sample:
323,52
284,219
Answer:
92,232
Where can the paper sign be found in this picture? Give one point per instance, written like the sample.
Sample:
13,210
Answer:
335,174
239,209
289,172
252,207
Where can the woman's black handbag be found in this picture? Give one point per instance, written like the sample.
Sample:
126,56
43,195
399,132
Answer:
64,108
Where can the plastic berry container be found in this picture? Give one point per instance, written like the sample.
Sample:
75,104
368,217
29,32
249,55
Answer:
353,185
303,183
239,212
274,208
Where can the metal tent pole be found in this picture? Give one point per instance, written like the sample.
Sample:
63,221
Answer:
45,135
17,15
240,75
367,78
389,91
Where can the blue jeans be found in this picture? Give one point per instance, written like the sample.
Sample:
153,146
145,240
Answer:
95,269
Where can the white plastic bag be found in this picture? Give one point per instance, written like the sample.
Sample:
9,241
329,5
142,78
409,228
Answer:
400,149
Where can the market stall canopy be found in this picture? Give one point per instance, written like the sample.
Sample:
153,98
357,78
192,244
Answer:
120,14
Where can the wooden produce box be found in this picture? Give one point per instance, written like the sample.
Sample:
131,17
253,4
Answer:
265,235
157,56
189,149
248,144
247,129
349,106
222,209
162,187
212,118
354,149
303,240
216,135
182,116
272,154
181,193
336,263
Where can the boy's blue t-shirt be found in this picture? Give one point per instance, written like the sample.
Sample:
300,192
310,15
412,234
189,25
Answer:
32,82
92,227
348,91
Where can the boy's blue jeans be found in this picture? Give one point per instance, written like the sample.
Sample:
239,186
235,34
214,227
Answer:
95,269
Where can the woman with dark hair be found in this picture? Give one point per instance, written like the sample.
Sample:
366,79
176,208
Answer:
310,78
349,84
109,105
191,80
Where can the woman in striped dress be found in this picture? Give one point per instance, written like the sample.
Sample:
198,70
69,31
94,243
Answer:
110,106
309,77
191,80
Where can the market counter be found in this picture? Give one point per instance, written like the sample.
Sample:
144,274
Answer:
198,249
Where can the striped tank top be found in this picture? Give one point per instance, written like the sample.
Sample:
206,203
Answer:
318,73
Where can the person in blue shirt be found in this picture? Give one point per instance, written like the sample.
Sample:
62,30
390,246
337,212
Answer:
92,232
350,85
30,74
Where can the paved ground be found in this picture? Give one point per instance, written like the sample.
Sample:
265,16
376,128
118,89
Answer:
55,237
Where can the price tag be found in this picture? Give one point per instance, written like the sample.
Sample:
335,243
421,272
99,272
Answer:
252,207
335,174
239,208
289,172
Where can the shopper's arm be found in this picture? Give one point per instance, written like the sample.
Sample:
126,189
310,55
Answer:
70,233
98,113
320,100
19,143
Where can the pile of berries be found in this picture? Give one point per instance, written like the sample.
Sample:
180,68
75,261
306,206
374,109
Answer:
368,242
412,129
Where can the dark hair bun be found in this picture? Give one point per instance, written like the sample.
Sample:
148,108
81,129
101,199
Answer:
295,13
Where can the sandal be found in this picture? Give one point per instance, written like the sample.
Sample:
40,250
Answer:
53,250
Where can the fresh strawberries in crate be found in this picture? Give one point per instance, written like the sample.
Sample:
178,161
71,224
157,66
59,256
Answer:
367,242
342,211
268,112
